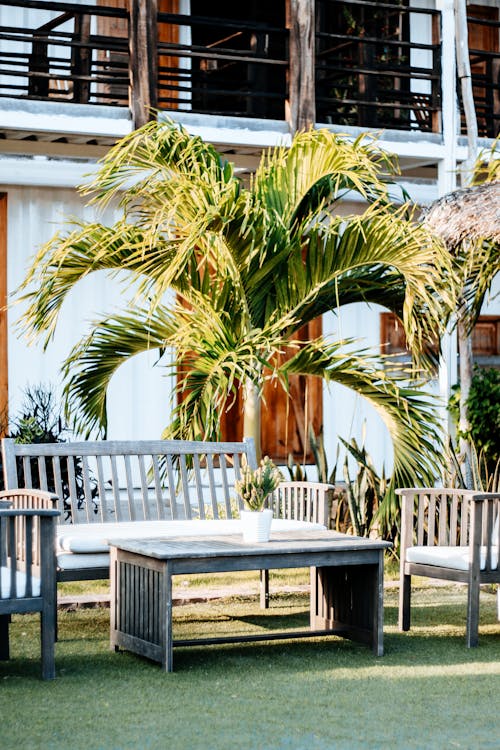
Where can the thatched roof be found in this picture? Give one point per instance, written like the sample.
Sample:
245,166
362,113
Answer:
470,213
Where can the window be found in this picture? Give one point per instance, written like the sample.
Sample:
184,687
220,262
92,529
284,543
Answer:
485,337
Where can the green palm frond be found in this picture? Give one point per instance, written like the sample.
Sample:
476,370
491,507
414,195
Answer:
93,361
407,411
316,171
67,258
150,157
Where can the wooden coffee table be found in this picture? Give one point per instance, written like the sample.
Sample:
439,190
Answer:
346,598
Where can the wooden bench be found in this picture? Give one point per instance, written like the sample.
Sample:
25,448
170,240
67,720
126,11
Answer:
454,535
146,489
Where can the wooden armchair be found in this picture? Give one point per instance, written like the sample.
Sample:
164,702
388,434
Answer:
453,535
28,569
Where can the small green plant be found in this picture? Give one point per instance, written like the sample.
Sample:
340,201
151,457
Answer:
40,421
355,501
256,484
485,474
298,472
483,411
366,491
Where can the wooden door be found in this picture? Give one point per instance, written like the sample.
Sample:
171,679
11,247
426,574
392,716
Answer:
285,418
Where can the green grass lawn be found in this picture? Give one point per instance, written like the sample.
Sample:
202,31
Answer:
428,691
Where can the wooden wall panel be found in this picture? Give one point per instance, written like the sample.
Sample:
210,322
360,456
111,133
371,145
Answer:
168,65
112,27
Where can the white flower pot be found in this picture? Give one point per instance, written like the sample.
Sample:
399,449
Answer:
256,525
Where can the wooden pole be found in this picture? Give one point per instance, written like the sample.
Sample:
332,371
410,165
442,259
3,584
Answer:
4,363
464,336
301,113
143,36
465,78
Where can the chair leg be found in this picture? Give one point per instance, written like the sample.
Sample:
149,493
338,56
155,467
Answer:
404,618
264,589
4,637
472,635
48,637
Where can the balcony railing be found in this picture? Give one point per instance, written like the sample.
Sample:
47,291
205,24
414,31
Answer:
371,70
222,66
485,74
377,65
62,55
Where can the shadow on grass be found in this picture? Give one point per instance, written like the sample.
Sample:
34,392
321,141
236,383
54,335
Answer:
437,638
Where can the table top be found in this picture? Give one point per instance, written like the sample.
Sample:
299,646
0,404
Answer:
232,545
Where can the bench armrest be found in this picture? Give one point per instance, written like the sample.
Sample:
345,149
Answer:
303,501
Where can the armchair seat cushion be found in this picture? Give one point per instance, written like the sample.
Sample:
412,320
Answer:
5,590
456,558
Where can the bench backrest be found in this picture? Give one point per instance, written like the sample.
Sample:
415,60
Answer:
98,481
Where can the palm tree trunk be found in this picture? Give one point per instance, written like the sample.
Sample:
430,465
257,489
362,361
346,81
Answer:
252,414
464,336
466,369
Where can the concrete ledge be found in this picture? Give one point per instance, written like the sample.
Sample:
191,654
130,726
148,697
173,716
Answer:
180,596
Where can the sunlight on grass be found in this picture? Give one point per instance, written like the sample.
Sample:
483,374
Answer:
428,692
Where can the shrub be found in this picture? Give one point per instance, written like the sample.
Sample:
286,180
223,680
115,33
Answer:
40,421
483,411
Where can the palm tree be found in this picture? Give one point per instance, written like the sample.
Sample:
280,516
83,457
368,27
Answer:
467,222
249,267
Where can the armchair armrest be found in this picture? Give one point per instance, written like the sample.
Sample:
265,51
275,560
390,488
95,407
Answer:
303,501
30,498
27,537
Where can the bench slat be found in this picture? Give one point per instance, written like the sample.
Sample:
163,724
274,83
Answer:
101,489
56,468
158,493
132,510
87,492
225,486
185,487
144,488
199,486
73,496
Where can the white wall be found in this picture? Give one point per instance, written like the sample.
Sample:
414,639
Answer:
138,398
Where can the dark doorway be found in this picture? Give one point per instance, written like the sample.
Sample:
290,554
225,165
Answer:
243,73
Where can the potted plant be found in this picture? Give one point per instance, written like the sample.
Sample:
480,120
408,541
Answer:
254,487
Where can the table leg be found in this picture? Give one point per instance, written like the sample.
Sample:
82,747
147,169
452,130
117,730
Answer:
4,637
349,600
166,627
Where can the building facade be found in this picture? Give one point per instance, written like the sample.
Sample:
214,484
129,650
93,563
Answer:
75,77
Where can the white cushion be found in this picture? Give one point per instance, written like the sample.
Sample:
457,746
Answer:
5,592
93,537
448,557
86,545
68,561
